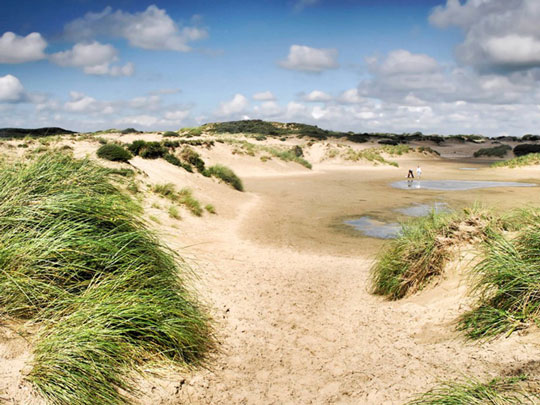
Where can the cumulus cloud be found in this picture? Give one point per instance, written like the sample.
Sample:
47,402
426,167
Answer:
264,96
351,96
235,106
150,29
94,58
11,89
313,60
401,61
317,95
500,35
267,109
83,104
177,115
17,49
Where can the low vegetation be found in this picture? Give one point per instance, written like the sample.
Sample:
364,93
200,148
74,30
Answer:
526,148
113,152
77,260
184,197
227,175
496,151
500,391
506,282
526,160
419,254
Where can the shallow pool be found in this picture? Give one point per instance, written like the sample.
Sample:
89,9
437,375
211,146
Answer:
376,229
421,210
455,185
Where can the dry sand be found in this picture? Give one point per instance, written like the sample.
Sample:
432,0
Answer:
287,285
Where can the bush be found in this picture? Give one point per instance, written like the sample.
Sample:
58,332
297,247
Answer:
188,155
169,157
170,134
136,146
227,175
298,152
526,148
152,150
113,152
526,160
496,151
129,131
77,259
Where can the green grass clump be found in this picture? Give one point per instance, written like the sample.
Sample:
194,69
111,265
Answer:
174,213
116,153
184,197
227,175
170,134
531,159
507,284
77,259
409,262
210,208
498,391
496,151
189,156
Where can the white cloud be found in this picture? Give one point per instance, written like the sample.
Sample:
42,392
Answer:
139,120
267,109
83,104
147,103
402,61
177,115
236,105
317,95
264,96
11,89
306,59
17,49
150,29
350,96
94,58
499,34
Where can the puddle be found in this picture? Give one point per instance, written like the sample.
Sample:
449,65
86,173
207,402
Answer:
376,229
455,185
422,210
468,168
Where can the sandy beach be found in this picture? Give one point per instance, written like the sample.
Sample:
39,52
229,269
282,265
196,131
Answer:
287,284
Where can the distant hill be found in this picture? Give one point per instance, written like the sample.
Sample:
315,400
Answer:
36,132
269,128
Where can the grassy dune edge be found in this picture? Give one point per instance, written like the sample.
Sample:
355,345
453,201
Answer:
77,259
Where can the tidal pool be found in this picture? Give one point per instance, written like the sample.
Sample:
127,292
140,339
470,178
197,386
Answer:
376,229
455,185
421,210
468,168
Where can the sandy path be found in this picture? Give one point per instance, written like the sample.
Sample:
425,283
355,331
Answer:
300,328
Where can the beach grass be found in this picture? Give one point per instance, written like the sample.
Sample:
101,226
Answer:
531,159
506,283
407,263
471,391
78,260
227,175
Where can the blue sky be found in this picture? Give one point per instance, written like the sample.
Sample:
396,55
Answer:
437,66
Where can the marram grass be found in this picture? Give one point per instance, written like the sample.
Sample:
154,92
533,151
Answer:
409,262
498,391
76,258
507,283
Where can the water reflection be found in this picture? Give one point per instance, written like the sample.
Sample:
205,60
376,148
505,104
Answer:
455,185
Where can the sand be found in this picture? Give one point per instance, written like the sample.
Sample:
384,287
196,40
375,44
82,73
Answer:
287,284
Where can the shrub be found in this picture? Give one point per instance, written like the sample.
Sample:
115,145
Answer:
129,131
526,160
136,146
496,151
526,148
188,155
77,259
227,175
113,152
152,150
298,152
169,157
170,134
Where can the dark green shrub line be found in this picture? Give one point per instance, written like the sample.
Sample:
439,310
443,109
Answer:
496,151
77,259
500,391
227,175
526,148
113,152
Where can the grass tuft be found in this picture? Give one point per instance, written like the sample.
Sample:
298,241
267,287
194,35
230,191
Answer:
499,391
227,175
116,153
77,259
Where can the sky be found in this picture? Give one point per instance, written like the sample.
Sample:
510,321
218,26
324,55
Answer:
435,66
